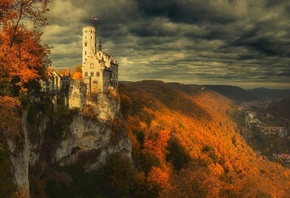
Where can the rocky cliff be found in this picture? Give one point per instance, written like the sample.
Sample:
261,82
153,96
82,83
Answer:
85,138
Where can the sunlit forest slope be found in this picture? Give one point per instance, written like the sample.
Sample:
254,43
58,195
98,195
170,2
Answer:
186,144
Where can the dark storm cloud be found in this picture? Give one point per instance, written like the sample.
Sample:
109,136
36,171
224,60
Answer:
273,3
258,40
189,41
184,10
263,45
284,74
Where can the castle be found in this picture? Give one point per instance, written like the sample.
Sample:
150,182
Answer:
99,74
99,70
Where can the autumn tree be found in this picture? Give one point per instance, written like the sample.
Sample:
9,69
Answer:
23,58
77,76
193,181
118,174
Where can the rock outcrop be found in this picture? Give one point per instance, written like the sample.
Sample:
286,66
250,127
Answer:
89,139
84,137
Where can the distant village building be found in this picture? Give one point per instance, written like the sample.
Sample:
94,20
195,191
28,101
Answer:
281,131
99,69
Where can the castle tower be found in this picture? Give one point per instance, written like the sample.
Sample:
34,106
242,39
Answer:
89,42
99,69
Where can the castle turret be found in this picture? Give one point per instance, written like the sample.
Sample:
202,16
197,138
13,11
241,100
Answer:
89,42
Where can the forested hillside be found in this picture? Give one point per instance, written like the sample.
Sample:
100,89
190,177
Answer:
186,144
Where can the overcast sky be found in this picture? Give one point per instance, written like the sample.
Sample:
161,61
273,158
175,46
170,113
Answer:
235,42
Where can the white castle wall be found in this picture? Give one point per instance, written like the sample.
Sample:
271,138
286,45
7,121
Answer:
93,73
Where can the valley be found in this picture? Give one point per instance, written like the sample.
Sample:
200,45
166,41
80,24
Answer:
267,129
263,117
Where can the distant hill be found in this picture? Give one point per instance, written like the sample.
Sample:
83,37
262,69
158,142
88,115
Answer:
233,92
185,143
281,107
273,93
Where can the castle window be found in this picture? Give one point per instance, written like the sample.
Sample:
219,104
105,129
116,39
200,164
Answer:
86,73
92,73
92,66
98,74
85,52
86,44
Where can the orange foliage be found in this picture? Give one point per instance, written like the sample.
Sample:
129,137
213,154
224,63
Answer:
22,56
10,119
77,76
158,145
197,119
21,194
158,178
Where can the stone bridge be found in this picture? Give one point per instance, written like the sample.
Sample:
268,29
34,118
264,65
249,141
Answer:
54,94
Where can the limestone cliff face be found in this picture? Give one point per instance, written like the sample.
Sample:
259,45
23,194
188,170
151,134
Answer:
89,140
19,156
84,137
